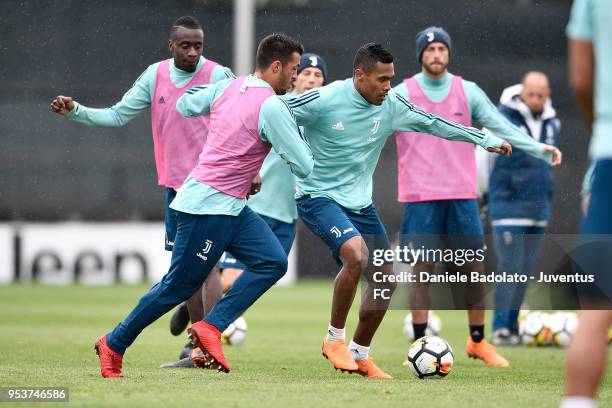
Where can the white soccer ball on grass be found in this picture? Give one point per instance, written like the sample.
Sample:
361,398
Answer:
534,329
563,326
235,334
430,357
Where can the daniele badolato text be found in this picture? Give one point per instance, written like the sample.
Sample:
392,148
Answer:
476,277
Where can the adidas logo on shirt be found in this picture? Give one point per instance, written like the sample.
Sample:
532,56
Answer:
161,100
338,126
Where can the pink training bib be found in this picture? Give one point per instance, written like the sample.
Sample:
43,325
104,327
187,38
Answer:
177,140
234,151
431,168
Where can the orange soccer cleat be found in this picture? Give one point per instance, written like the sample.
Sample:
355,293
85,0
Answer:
339,355
368,369
486,352
110,361
208,338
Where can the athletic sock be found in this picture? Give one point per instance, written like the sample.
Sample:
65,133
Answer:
419,330
334,334
477,333
578,402
358,352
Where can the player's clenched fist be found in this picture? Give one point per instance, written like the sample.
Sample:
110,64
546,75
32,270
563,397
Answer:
62,105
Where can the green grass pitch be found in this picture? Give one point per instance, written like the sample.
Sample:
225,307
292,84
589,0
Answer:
47,335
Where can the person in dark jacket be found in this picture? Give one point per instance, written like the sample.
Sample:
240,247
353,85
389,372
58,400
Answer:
520,194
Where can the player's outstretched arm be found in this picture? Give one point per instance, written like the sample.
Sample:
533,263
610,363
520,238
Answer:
277,126
198,100
305,107
134,101
408,117
487,114
195,102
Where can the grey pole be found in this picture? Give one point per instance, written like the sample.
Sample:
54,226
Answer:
244,34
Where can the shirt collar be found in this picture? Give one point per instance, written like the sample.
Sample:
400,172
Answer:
252,81
354,96
430,83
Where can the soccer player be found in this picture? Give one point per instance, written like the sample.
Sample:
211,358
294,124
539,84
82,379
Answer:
441,200
346,124
246,120
177,141
275,203
590,63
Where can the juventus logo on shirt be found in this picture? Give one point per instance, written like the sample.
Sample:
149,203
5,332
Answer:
376,125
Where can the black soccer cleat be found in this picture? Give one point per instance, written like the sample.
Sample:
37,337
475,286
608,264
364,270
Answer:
179,320
187,349
182,363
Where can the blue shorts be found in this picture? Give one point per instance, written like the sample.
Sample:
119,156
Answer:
335,224
285,233
169,219
594,255
433,223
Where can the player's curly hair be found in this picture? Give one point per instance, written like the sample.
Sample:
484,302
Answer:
369,54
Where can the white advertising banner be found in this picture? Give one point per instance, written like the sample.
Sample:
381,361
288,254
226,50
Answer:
7,254
291,276
88,253
92,253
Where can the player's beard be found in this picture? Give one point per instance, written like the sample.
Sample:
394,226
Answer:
436,69
286,82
